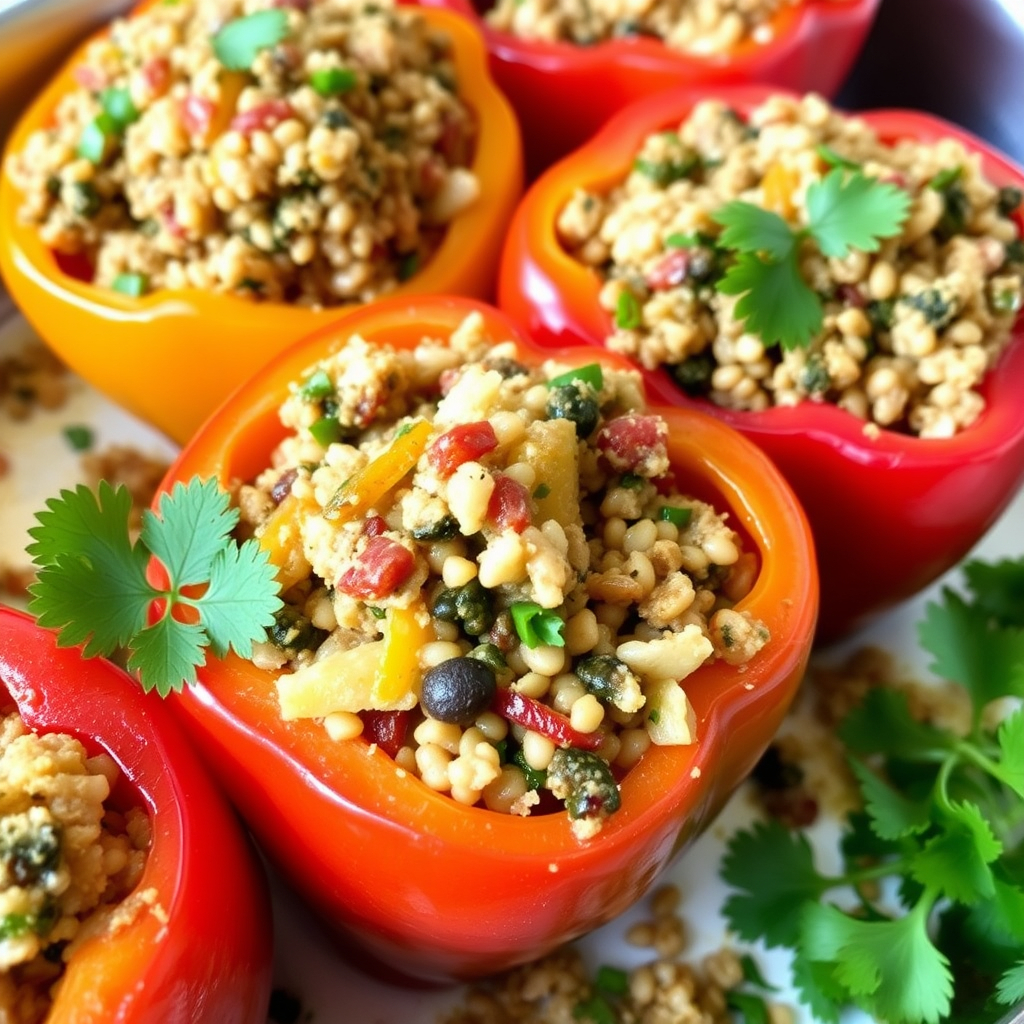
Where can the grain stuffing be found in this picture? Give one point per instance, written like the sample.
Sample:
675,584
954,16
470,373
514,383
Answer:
704,28
490,571
308,152
908,332
68,862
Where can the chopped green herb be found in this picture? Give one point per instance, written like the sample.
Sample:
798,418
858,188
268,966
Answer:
85,200
92,585
1006,300
677,240
251,284
596,1010
541,491
752,1009
317,386
612,980
845,211
664,172
333,81
326,430
377,613
132,285
240,41
80,437
1008,201
941,181
117,105
408,265
834,159
677,516
632,481
628,314
535,625
97,136
590,374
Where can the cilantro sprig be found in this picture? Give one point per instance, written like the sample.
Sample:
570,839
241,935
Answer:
846,210
943,819
92,585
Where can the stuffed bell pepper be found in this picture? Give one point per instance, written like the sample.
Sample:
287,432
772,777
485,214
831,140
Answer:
129,893
202,183
843,289
531,635
567,66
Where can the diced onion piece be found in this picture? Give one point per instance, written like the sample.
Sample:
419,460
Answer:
669,717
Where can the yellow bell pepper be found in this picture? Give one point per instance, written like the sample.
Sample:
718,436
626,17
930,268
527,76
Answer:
406,630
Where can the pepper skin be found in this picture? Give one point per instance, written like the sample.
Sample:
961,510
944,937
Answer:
171,357
888,515
209,960
430,888
563,93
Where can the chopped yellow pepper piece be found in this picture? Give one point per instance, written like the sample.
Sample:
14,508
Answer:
778,186
364,489
281,538
406,630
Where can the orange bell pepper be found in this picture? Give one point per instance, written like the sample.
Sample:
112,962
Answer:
889,513
563,93
203,953
435,889
171,356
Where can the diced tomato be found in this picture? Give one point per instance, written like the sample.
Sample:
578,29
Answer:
75,264
387,729
509,505
630,443
462,443
375,526
666,484
670,270
197,114
170,222
262,117
851,295
157,74
89,77
379,571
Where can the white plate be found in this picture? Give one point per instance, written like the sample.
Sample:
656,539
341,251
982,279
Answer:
306,963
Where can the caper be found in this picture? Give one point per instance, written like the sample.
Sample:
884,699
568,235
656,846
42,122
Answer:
575,403
458,690
611,680
293,631
469,605
693,375
584,782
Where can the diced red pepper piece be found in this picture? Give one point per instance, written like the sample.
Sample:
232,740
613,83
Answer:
666,484
262,117
197,114
629,443
509,505
89,77
170,222
379,571
531,714
387,729
462,443
670,270
157,74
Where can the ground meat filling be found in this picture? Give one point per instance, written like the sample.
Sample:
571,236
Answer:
67,861
909,332
491,571
699,27
320,167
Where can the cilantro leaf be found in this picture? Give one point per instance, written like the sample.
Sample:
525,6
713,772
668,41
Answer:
1010,736
1010,989
240,41
750,228
818,989
969,649
775,302
956,861
882,724
774,870
852,211
86,563
751,1008
890,967
893,815
93,589
535,625
239,604
998,588
186,534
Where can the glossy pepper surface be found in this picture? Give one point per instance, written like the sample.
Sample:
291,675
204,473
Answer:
889,514
171,356
432,888
206,959
563,92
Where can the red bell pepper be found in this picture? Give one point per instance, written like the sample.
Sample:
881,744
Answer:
889,514
563,93
209,960
435,889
